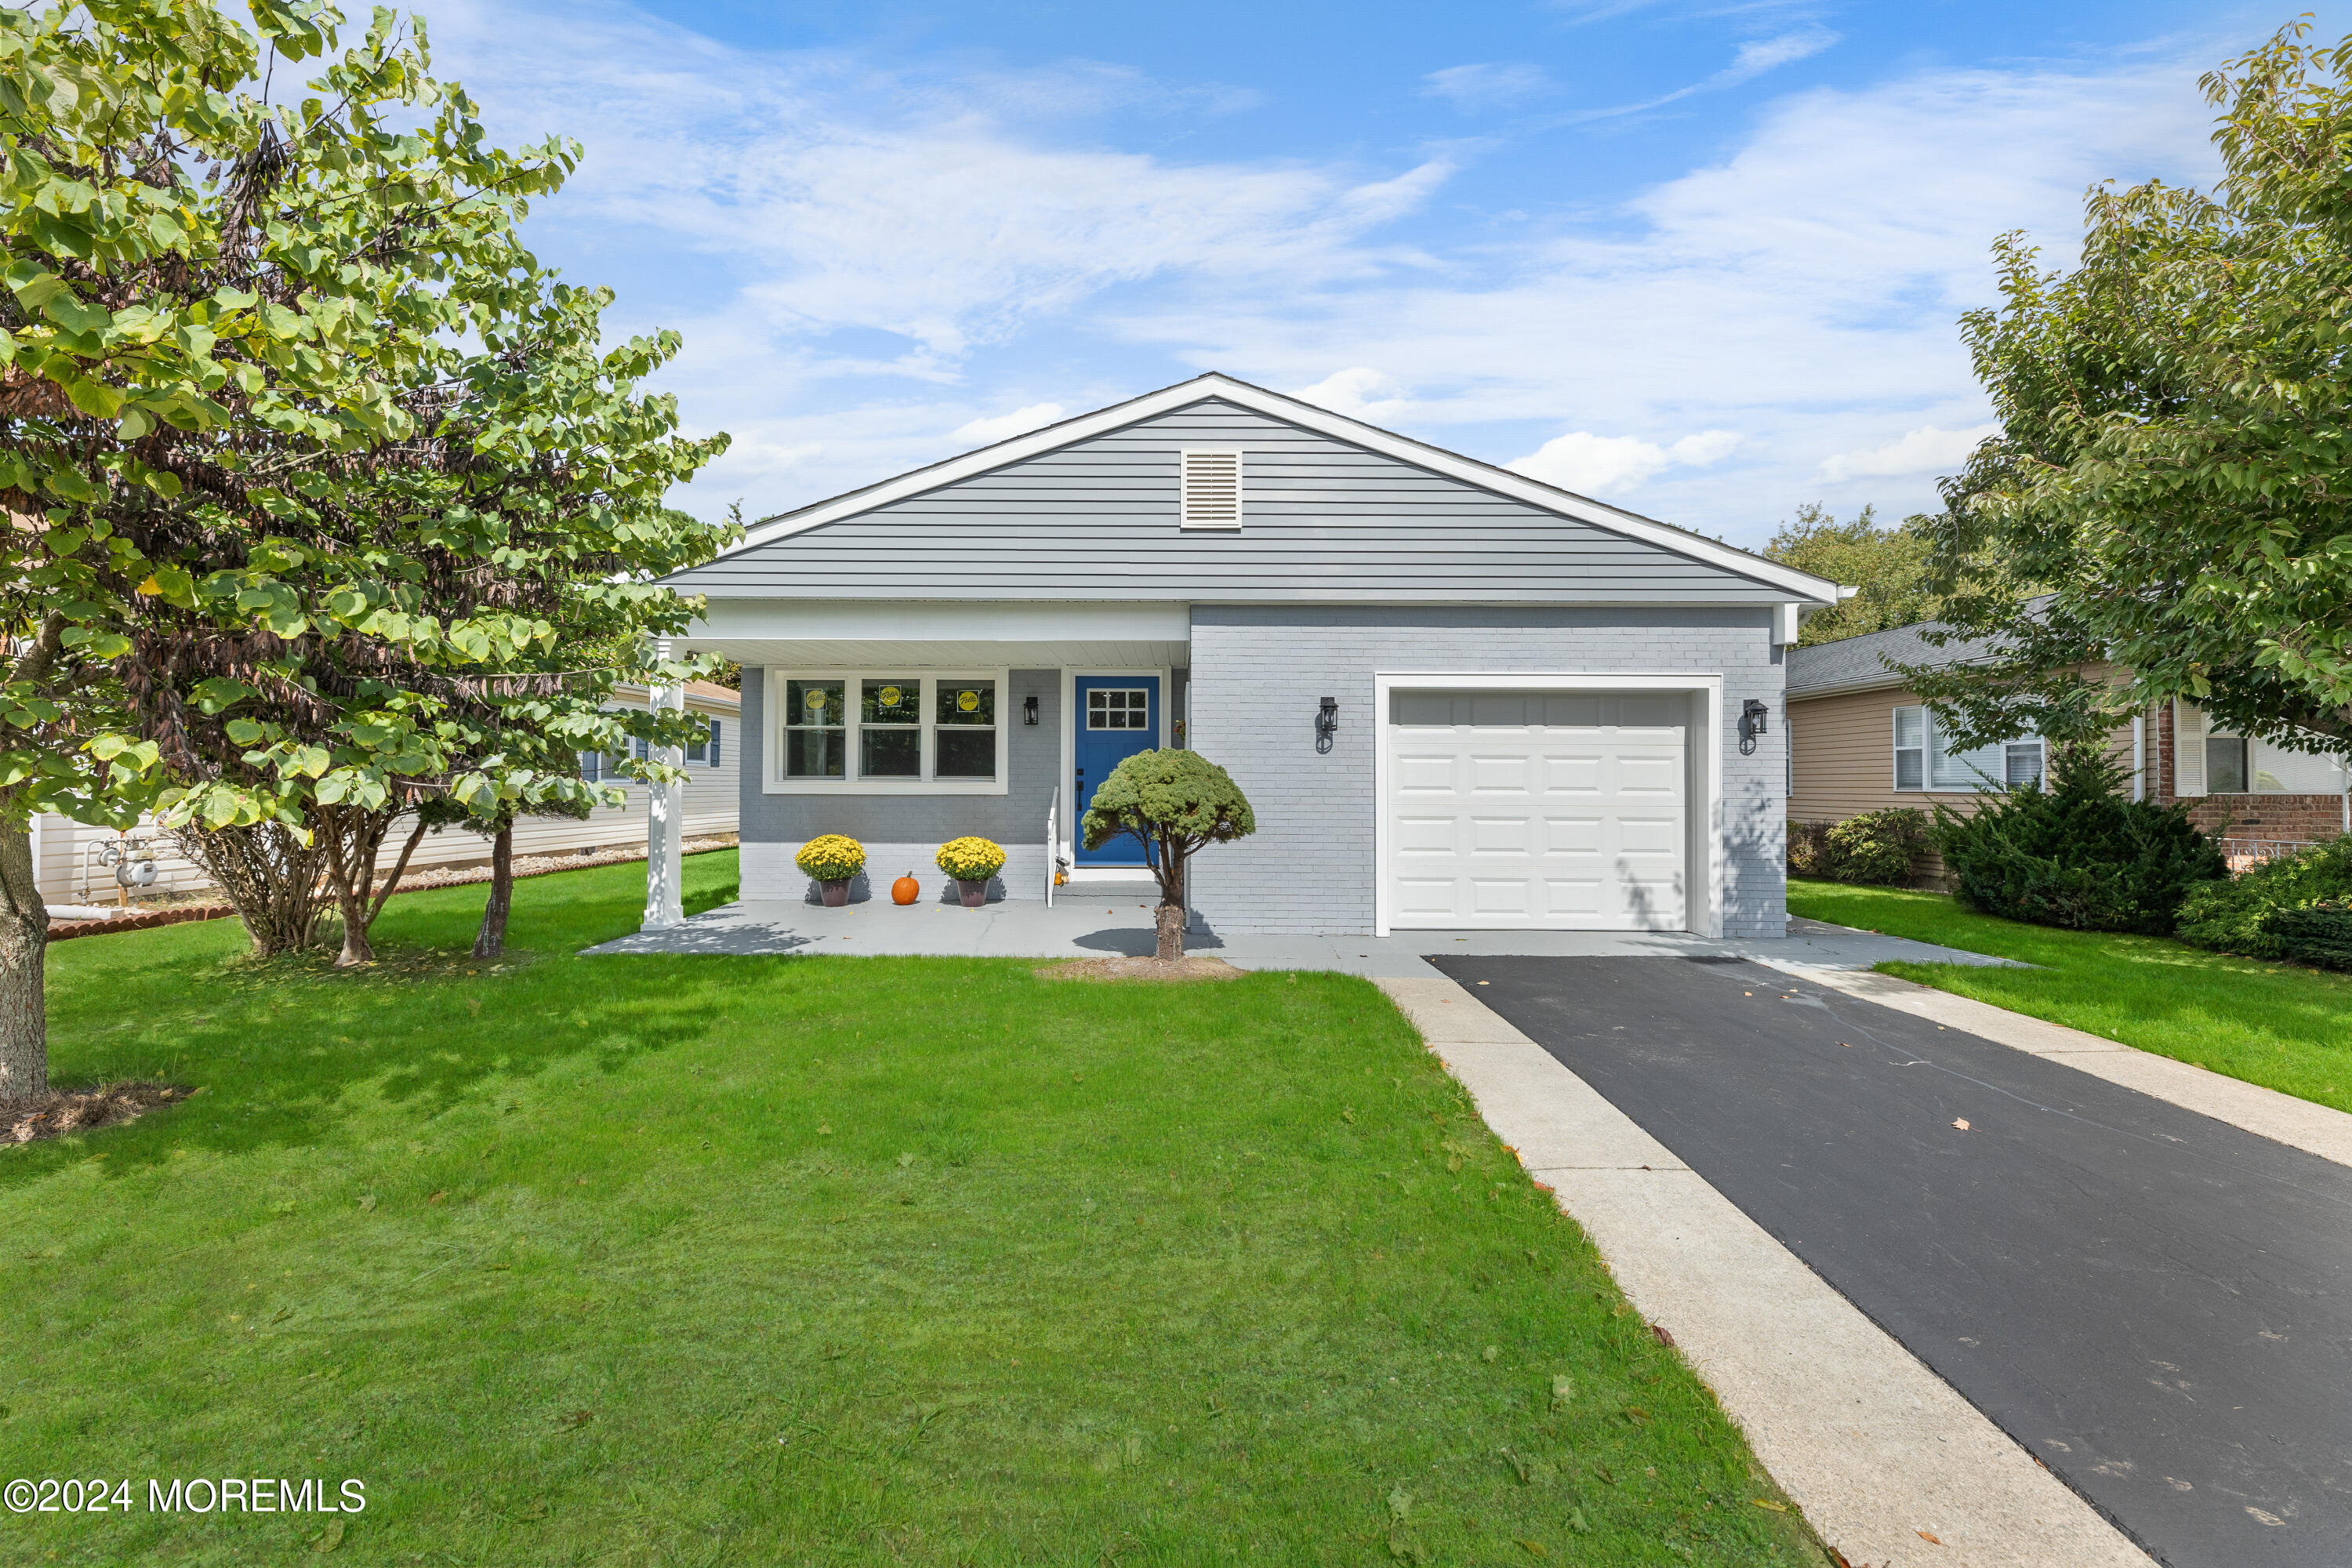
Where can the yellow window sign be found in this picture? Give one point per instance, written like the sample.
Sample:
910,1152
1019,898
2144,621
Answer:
888,697
816,699
968,702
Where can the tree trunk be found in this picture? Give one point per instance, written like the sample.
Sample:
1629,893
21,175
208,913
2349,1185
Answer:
1170,916
23,1007
492,940
278,883
353,836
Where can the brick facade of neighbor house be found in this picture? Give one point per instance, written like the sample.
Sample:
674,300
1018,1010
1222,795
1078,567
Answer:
2264,818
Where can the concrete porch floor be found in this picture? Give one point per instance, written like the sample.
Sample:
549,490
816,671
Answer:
1095,922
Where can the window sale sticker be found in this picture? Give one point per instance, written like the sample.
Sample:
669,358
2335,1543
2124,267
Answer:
968,702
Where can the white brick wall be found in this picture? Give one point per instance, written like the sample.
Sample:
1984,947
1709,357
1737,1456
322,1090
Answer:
1258,673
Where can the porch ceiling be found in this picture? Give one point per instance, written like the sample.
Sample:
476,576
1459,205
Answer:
871,653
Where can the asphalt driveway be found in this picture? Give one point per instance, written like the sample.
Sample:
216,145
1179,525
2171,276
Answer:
2157,1305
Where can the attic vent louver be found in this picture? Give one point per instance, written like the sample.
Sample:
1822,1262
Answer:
1210,490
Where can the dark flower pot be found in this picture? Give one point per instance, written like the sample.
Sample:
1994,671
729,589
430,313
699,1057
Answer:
837,894
975,894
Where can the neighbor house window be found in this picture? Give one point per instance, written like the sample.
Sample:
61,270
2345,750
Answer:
889,729
706,749
1923,760
2225,764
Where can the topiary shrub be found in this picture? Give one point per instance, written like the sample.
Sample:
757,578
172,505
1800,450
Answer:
2315,933
2235,916
1878,846
1175,802
2078,854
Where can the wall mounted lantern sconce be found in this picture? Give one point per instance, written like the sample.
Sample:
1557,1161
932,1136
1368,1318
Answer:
1327,724
1751,724
1029,709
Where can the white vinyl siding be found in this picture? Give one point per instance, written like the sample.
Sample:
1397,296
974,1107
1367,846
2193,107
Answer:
1923,761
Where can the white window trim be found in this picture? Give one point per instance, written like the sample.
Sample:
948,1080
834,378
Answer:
772,740
1927,750
1184,518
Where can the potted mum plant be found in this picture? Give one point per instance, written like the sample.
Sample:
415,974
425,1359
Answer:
831,860
971,862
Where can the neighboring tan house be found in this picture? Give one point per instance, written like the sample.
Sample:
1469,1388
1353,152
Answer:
75,864
1860,740
1455,696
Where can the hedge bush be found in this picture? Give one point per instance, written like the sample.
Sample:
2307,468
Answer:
2315,933
2078,854
1876,846
2235,916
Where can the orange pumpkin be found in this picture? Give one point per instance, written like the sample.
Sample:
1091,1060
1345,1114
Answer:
905,889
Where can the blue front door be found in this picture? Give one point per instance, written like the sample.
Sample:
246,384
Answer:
1119,715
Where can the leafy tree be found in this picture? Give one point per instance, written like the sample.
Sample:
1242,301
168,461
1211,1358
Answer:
1173,802
226,355
2175,414
1889,565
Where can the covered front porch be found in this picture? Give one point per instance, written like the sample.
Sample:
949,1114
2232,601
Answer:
907,725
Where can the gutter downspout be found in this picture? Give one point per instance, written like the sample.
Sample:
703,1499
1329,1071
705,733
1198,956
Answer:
2139,755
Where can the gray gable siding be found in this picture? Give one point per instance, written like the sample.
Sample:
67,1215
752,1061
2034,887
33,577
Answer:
1322,520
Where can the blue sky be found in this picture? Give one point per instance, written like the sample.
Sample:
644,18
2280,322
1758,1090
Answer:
1700,260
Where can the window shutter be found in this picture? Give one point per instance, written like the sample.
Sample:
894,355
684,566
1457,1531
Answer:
2187,750
714,743
1210,490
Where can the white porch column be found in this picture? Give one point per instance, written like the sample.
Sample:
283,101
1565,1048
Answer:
664,823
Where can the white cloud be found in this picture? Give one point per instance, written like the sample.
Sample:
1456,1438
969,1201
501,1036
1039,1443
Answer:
1359,391
987,432
1922,451
1488,86
862,261
1760,55
1612,464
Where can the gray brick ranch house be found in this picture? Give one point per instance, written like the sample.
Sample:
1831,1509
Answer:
1455,697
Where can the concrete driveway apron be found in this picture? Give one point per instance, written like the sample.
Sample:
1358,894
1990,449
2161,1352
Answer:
2157,1305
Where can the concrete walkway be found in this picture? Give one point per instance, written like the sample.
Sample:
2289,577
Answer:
1094,921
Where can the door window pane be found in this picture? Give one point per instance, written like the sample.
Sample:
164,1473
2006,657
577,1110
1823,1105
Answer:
964,735
889,729
816,732
1119,708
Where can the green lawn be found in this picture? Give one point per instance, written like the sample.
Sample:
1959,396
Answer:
702,1262
2272,1023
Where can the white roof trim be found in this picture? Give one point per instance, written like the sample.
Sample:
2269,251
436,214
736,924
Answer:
1469,470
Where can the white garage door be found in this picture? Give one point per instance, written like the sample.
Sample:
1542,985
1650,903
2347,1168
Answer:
1533,809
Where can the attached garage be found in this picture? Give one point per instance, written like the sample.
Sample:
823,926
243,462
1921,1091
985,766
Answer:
1533,809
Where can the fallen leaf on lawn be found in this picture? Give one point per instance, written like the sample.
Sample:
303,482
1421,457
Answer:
576,1420
438,1196
1563,1389
1519,1467
1928,1538
1489,1354
1399,1503
1577,1522
1534,1548
1961,1122
1347,1115
1664,1338
1768,1502
367,1202
329,1538
905,1160
1404,1549
1637,1415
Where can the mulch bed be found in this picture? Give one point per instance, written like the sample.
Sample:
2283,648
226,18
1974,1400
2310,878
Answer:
82,1110
1140,969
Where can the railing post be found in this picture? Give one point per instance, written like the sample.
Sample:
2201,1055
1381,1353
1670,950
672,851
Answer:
665,822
